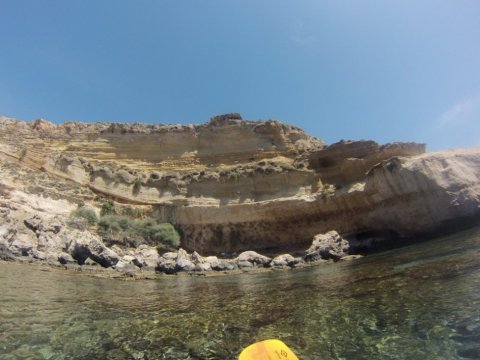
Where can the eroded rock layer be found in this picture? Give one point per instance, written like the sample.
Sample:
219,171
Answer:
232,185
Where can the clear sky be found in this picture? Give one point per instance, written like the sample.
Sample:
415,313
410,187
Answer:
399,70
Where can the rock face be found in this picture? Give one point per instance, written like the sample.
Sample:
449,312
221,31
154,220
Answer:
229,186
398,197
347,162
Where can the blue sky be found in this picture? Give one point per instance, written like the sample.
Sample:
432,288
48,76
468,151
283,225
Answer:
406,70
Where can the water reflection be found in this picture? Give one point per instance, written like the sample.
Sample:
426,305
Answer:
419,302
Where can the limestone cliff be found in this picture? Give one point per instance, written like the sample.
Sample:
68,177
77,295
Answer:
231,184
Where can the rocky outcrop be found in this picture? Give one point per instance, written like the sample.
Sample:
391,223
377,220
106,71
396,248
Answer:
228,186
327,246
346,162
226,139
286,260
49,239
87,246
400,197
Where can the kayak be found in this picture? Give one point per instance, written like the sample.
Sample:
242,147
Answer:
272,349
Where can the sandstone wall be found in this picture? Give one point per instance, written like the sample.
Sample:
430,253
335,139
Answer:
346,162
400,197
222,141
231,185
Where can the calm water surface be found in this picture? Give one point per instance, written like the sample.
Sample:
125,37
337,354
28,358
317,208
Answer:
418,302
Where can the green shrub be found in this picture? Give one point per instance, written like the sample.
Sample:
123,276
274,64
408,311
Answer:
107,208
133,232
165,234
230,174
132,212
137,185
109,224
85,213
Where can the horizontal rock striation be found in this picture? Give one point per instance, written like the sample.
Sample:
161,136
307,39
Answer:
399,197
228,186
226,139
348,161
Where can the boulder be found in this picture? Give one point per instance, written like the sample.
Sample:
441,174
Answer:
128,259
285,260
65,259
167,263
118,250
327,246
254,258
41,255
213,261
170,256
90,262
5,253
197,258
183,262
243,264
166,266
146,257
203,263
222,264
126,265
23,243
202,267
87,246
38,223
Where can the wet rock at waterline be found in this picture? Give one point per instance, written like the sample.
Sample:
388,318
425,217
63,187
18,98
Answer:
253,258
327,246
5,253
48,239
183,262
286,260
88,246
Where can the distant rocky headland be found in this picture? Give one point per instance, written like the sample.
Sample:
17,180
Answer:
227,195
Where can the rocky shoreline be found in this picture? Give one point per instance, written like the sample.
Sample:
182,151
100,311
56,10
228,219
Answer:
96,271
43,240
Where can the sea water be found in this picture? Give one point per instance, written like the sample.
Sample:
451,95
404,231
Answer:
417,302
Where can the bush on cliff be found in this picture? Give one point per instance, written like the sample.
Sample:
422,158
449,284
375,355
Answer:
127,231
137,186
107,208
86,213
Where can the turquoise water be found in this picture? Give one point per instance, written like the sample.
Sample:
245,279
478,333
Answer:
417,302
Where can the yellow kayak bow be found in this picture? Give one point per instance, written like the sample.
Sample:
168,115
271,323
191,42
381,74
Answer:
267,350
